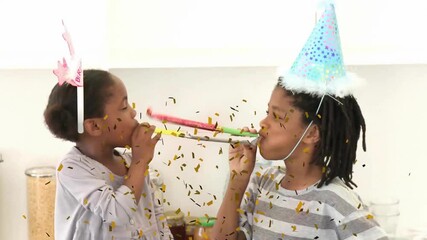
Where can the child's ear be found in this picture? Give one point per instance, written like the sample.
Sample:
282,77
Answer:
93,126
313,135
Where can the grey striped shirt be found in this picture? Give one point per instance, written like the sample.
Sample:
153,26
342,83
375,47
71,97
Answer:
331,212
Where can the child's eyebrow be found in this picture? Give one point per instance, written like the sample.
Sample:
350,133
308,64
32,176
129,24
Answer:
277,109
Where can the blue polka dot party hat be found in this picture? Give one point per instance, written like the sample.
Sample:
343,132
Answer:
319,68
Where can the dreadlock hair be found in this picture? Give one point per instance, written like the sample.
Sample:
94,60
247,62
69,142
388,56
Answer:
60,114
340,121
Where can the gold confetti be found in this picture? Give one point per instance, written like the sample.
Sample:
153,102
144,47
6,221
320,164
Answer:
306,114
60,167
294,228
23,216
306,150
369,216
209,203
197,168
195,131
244,100
220,151
163,188
209,120
178,211
241,211
146,172
260,212
323,169
85,201
112,226
217,114
133,105
112,177
106,116
319,116
299,207
140,233
47,183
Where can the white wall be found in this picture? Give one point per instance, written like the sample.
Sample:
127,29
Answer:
392,103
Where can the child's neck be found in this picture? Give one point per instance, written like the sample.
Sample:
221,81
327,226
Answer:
96,150
300,174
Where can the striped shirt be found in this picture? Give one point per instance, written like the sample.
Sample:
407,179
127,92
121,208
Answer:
331,212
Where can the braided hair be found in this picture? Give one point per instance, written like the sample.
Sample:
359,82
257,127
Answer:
340,120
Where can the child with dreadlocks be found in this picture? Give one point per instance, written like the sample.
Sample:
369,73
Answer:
313,124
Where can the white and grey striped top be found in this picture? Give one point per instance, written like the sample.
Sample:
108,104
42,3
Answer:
331,212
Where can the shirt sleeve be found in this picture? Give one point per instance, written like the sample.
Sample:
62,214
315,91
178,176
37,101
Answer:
83,182
162,224
360,225
247,207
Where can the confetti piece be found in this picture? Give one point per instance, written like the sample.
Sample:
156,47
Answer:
244,100
217,114
47,183
106,116
316,226
112,226
306,114
369,216
112,177
299,207
85,201
220,151
133,105
294,228
197,168
306,150
209,203
173,99
178,211
23,216
60,167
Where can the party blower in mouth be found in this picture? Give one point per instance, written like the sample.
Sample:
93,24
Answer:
236,135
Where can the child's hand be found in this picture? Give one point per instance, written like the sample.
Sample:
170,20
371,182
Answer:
242,158
143,144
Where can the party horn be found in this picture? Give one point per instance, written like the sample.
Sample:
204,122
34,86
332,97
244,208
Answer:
199,125
237,139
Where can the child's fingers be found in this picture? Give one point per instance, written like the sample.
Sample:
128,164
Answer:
157,137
